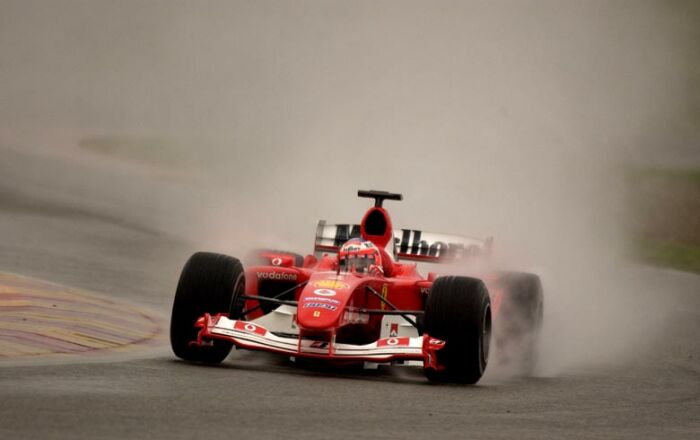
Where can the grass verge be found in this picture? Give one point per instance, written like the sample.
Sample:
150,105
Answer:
665,221
665,253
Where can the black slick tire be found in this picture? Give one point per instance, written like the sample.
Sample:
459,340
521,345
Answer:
209,283
519,322
458,311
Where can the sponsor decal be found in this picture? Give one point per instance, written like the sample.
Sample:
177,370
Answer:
276,261
319,305
433,341
319,344
318,298
394,329
325,292
351,248
412,244
317,313
394,342
249,328
330,284
278,276
344,233
424,290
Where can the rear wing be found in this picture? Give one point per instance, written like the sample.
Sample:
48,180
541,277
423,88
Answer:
408,244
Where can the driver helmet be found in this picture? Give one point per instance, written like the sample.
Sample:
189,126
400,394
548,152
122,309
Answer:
359,256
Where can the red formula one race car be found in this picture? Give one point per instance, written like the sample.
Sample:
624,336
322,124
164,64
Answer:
356,301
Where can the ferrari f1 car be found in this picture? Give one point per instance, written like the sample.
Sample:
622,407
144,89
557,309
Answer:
356,300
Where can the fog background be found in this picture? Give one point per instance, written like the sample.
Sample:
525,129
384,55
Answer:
238,124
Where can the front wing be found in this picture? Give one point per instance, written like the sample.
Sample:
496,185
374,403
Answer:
253,336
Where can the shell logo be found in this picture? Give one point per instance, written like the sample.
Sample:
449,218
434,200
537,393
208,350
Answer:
331,284
324,292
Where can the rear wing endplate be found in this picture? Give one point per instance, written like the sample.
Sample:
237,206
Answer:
408,244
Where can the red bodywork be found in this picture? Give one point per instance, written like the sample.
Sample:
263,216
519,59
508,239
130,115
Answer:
338,315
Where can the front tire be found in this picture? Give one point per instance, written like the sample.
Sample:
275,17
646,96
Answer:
209,283
458,311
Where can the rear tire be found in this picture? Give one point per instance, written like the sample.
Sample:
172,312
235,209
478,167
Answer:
458,311
209,283
520,321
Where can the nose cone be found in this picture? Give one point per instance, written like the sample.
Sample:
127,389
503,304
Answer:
322,303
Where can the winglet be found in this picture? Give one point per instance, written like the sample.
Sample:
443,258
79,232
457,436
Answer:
379,196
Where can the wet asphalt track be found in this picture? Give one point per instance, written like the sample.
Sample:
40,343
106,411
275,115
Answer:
257,396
